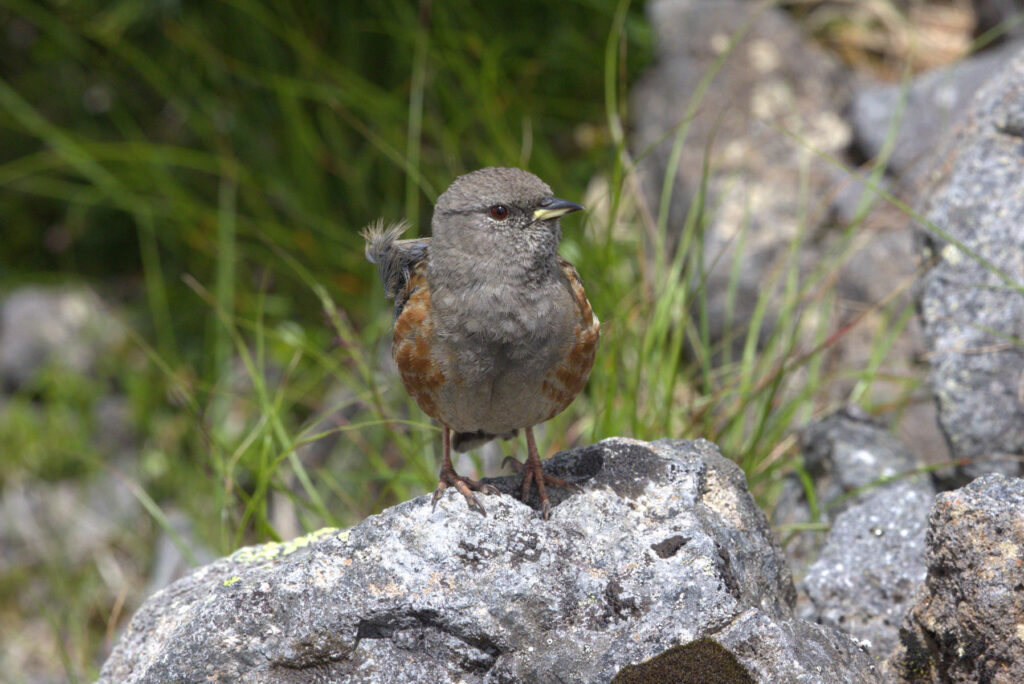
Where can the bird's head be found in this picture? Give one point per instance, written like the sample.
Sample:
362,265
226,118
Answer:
498,211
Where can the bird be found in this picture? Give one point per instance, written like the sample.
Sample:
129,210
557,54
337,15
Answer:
493,332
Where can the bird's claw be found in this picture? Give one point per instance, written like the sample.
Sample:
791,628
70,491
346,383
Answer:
540,479
513,463
465,486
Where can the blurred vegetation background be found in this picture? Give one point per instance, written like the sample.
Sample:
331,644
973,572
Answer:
205,167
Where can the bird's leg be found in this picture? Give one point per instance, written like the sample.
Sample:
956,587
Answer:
465,485
533,473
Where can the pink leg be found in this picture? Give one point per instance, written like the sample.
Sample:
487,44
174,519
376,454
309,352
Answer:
448,477
533,473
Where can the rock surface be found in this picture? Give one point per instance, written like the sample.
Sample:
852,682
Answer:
663,548
967,621
846,454
760,180
871,565
973,305
935,102
847,451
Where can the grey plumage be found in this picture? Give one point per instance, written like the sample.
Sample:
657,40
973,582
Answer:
395,260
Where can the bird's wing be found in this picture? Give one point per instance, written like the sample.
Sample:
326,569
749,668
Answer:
587,319
565,380
396,259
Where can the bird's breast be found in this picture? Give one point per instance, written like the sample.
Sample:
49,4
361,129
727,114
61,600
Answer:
497,349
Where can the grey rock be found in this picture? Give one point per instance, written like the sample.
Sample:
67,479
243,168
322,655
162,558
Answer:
847,456
931,104
65,326
886,256
847,451
66,522
775,81
857,200
875,291
973,311
966,621
757,648
796,651
664,546
871,566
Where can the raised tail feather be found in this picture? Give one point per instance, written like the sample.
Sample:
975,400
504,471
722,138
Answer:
395,258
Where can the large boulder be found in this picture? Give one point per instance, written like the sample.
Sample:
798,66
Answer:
924,111
774,83
847,454
967,620
853,462
972,299
664,548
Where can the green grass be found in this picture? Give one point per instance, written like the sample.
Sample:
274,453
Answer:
219,197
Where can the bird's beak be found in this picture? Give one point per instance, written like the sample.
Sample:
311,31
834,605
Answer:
552,208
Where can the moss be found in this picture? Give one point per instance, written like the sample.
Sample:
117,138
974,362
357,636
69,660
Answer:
704,661
266,552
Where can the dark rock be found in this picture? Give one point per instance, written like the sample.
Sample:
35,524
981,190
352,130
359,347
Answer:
663,547
871,566
1007,15
973,304
934,102
967,621
755,648
775,82
703,660
848,451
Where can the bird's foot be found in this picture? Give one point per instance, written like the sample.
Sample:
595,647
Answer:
534,474
466,487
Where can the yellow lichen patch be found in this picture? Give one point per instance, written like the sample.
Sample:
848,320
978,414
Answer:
266,552
232,580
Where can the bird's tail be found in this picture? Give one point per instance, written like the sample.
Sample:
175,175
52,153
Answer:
394,257
464,441
380,239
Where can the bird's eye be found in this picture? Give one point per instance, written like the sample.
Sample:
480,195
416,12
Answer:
499,211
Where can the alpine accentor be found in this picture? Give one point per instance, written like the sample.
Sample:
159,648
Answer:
493,331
